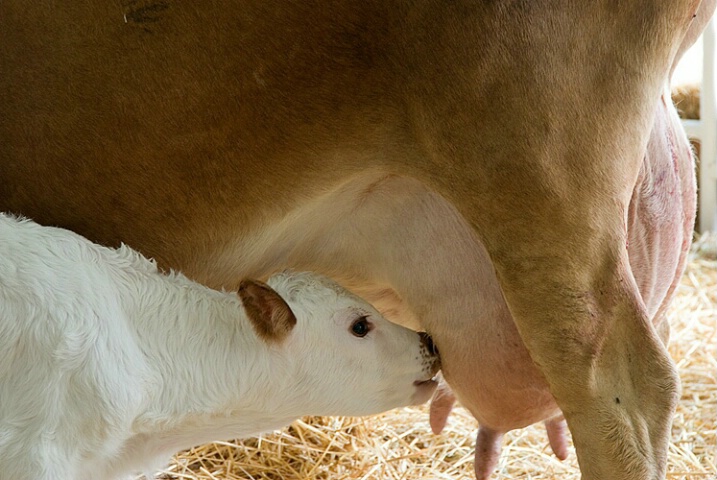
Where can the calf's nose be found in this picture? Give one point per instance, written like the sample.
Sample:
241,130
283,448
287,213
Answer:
427,342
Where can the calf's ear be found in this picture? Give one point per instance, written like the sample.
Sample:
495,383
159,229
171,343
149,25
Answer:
268,312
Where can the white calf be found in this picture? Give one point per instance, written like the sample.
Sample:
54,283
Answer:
107,365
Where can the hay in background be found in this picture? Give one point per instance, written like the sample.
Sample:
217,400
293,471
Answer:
400,445
687,100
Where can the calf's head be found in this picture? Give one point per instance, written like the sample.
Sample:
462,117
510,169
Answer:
344,358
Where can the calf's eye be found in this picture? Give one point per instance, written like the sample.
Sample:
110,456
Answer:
360,327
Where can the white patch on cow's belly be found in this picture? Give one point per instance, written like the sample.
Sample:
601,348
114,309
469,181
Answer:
407,250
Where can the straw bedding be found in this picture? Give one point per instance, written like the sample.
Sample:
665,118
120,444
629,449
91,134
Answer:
400,445
686,98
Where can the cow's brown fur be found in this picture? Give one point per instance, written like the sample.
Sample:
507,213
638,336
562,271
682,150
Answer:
199,133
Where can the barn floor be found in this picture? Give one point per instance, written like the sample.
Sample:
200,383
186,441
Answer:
400,445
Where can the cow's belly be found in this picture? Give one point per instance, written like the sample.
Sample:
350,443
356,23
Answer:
406,249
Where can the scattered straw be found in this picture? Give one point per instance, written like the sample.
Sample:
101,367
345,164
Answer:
400,446
687,100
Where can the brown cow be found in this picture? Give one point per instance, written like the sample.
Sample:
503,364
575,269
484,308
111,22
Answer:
469,166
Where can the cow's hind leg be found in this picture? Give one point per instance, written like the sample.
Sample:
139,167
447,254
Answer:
578,310
570,289
546,181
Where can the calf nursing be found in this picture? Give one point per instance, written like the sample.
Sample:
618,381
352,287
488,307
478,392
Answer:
506,175
107,365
